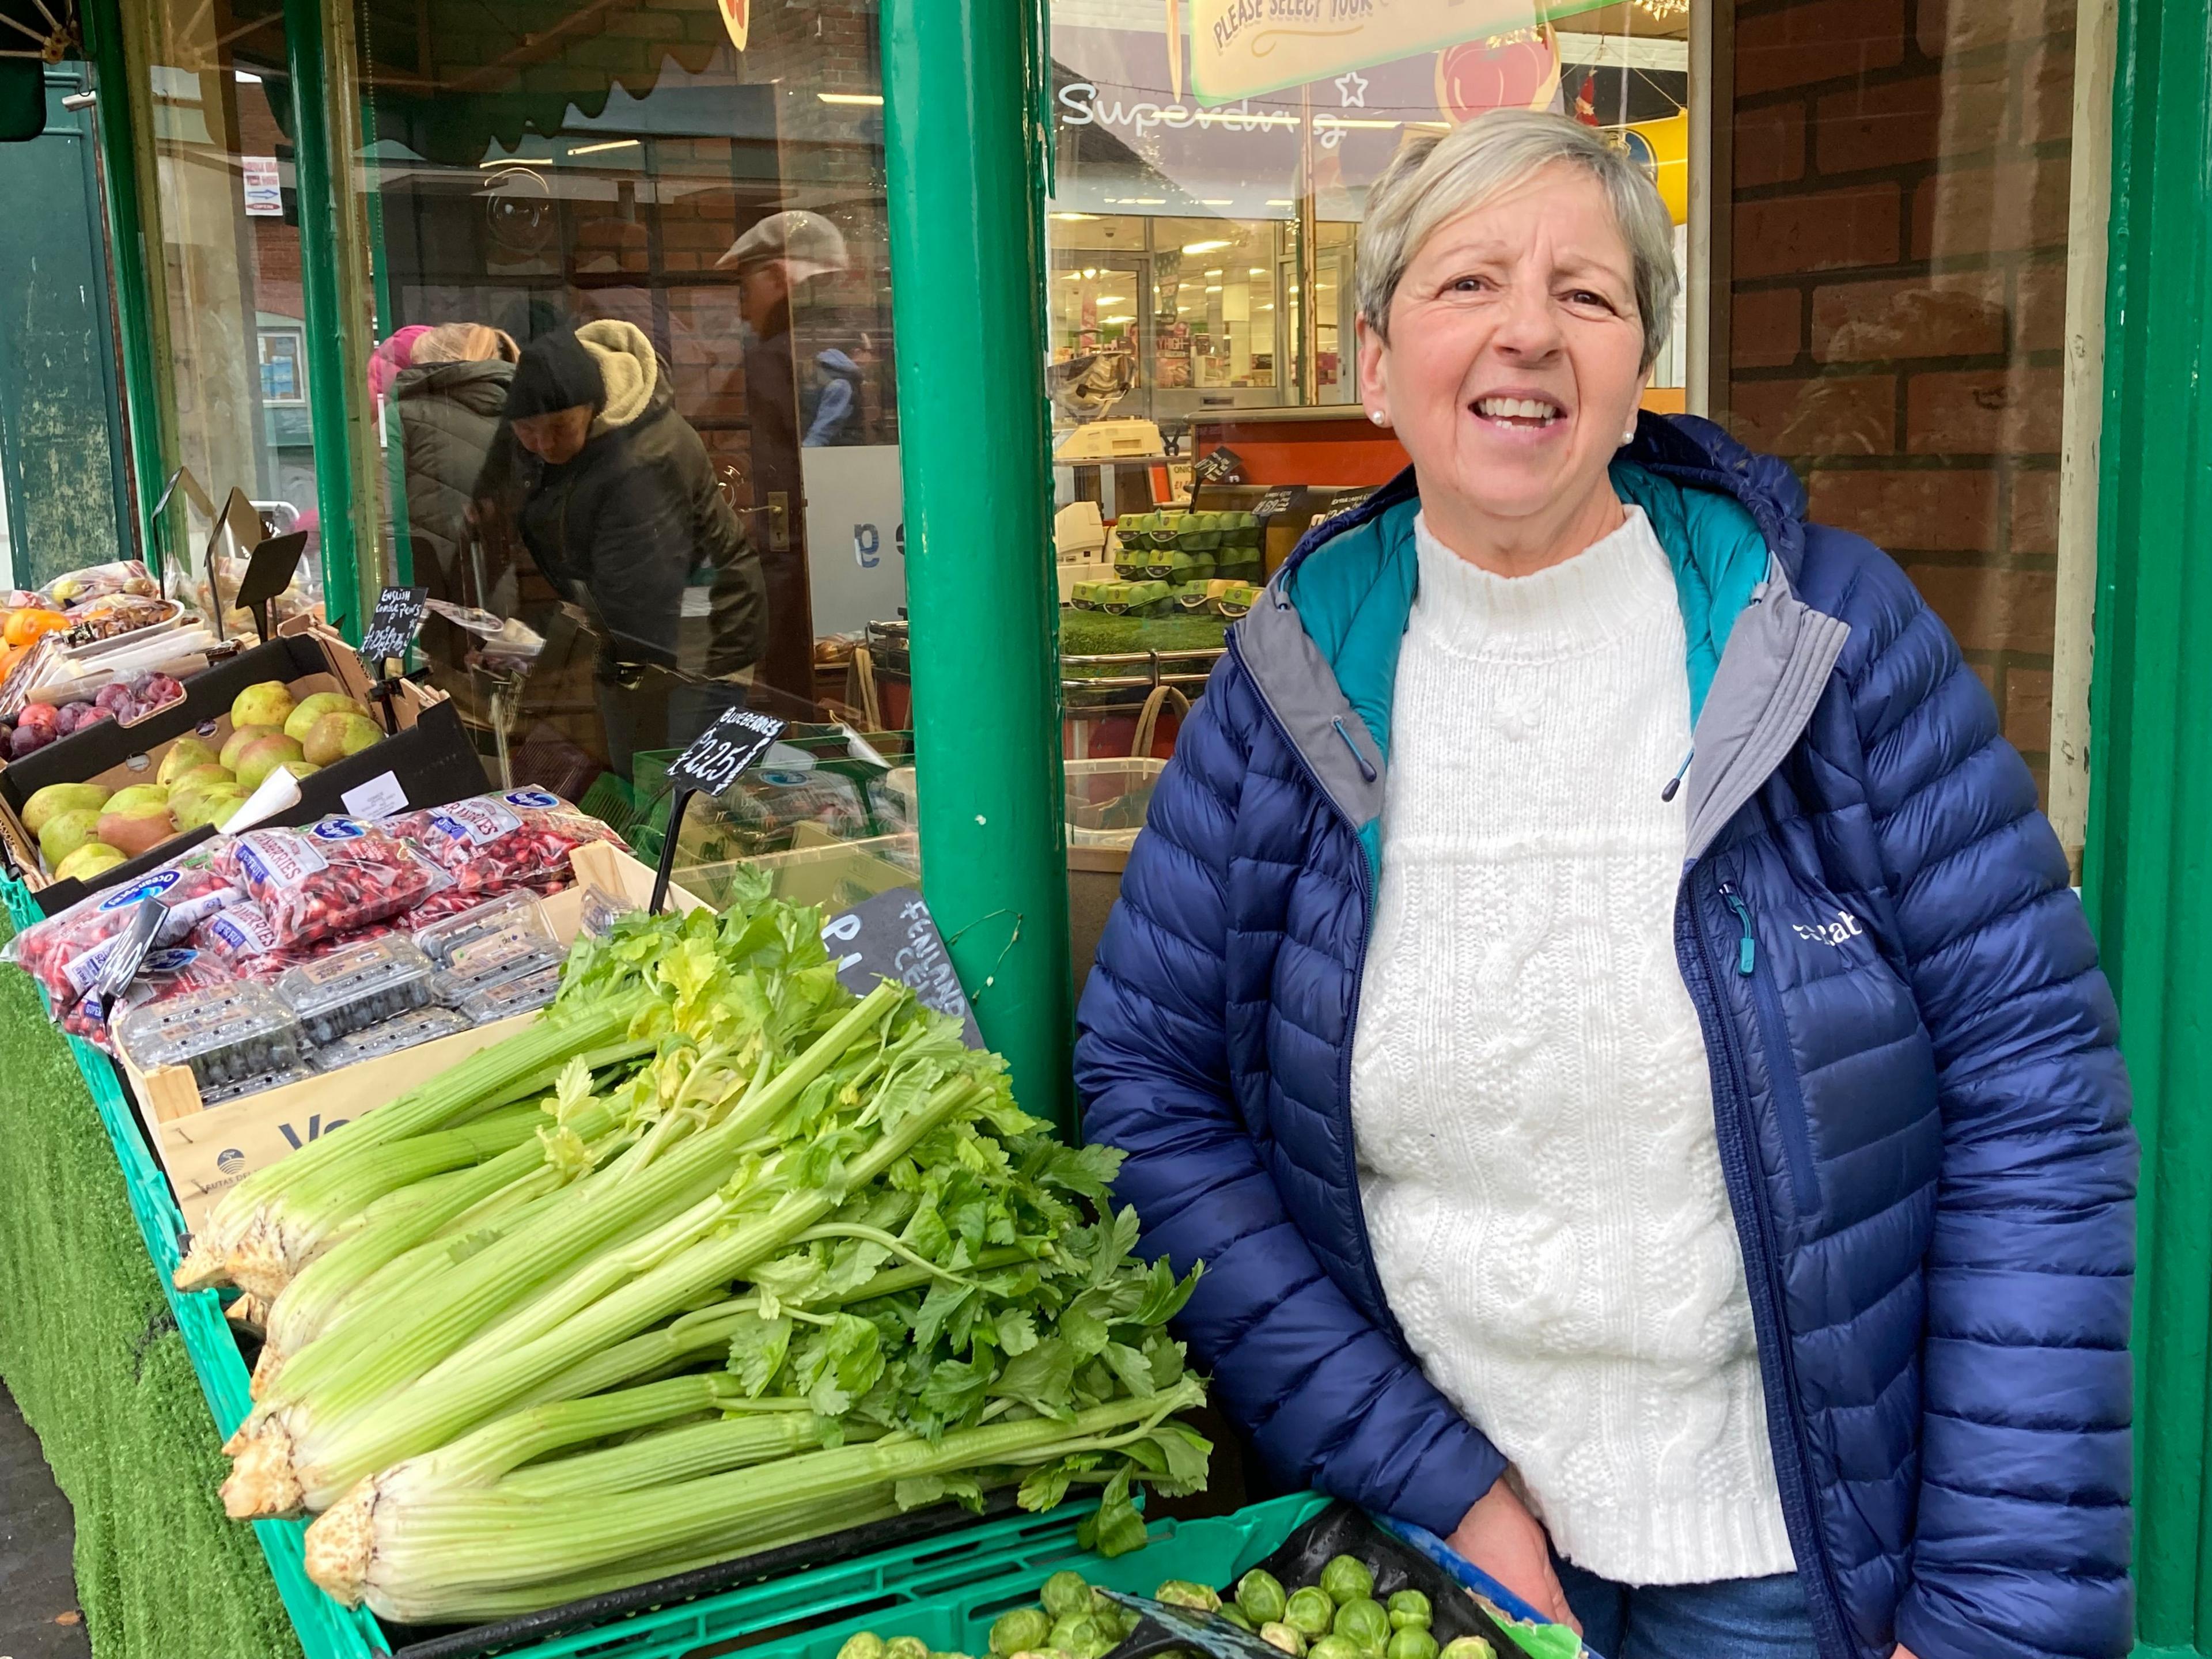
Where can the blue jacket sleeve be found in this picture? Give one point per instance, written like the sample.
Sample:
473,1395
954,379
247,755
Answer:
1330,1400
2023,1545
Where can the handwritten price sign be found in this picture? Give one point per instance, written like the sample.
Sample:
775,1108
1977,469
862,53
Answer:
720,754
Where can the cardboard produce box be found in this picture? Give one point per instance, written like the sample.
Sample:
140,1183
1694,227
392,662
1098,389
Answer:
427,762
206,1150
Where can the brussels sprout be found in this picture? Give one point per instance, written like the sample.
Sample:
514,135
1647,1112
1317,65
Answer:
1469,1647
1017,1631
1411,1643
866,1645
1310,1612
1333,1647
1277,1634
1347,1578
1182,1593
906,1647
939,1653
1066,1594
1078,1635
1235,1616
1364,1623
1259,1593
1410,1610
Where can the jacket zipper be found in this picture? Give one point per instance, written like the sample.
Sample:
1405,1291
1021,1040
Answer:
1762,1276
1781,1068
1365,882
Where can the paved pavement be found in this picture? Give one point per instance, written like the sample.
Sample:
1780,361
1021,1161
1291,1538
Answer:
39,1616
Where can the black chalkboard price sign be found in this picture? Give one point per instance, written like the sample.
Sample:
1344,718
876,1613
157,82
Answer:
720,753
392,626
1275,501
716,759
1221,465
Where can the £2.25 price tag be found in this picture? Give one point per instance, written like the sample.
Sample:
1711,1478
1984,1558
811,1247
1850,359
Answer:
391,627
720,754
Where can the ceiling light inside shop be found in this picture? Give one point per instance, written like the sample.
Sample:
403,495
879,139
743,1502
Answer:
1214,288
1270,305
611,143
1280,200
1204,247
1259,271
1074,218
1217,201
1122,318
874,100
1143,201
1216,272
1113,299
1341,121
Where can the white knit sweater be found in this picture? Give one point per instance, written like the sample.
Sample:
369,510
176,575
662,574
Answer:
1533,1111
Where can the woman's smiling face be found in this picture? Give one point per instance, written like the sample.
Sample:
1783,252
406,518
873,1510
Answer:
1515,358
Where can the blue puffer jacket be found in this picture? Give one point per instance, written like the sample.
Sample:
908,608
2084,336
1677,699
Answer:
1923,1119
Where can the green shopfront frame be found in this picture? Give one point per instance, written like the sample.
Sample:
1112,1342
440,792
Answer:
965,89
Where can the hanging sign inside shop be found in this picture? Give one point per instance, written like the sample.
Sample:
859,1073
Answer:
1219,466
720,754
265,197
1277,499
275,561
392,626
738,19
1242,48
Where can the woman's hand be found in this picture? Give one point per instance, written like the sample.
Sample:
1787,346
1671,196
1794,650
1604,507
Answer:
1903,1652
1500,1537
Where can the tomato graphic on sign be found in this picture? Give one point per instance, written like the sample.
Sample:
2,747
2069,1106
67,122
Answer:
1472,77
737,18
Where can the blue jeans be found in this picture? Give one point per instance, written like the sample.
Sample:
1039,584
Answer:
1736,1618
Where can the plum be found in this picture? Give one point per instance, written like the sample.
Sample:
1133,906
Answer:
29,740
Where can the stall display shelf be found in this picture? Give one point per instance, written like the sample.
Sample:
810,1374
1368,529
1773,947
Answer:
946,1588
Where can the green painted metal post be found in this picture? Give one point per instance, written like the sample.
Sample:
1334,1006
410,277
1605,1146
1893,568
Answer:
962,90
2148,862
142,410
320,177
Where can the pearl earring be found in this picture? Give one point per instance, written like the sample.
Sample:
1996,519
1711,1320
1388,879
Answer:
1378,417
1629,436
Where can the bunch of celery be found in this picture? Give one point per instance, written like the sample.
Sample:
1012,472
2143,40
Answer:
774,1260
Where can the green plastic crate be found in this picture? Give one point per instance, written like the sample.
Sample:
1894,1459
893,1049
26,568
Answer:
954,1615
951,1581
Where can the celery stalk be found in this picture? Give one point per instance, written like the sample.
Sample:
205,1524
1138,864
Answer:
320,1460
428,1550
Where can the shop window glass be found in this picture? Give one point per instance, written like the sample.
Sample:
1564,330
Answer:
211,98
1900,301
1203,233
624,208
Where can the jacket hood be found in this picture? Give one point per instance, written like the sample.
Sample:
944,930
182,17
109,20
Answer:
478,387
1323,644
630,366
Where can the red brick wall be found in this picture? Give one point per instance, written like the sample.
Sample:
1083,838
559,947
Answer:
1898,296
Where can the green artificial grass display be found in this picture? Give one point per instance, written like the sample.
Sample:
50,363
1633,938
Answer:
90,1350
1093,633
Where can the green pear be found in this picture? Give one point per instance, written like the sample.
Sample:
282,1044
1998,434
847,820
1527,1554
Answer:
264,756
315,707
336,736
185,754
93,858
65,832
269,703
58,797
210,806
139,797
234,745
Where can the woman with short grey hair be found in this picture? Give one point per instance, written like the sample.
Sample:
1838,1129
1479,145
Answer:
1596,992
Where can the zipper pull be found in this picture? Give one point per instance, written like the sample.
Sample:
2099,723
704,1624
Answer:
1675,783
1746,955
